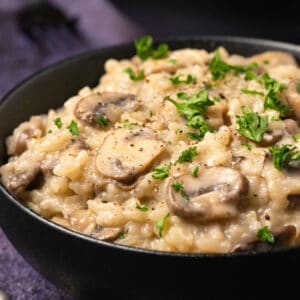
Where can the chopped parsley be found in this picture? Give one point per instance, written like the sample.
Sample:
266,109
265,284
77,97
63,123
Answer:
207,85
58,122
160,224
251,125
296,137
176,79
265,235
161,172
102,121
123,234
248,146
73,128
252,92
128,125
298,87
142,208
135,76
195,172
172,61
192,109
187,155
283,155
272,100
49,131
266,62
144,48
275,119
177,185
219,68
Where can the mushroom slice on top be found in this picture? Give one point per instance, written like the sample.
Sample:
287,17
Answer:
108,234
213,195
125,153
284,237
274,58
108,104
292,96
271,138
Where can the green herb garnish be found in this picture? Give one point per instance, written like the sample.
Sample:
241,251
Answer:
219,68
128,125
176,79
58,122
161,172
265,235
252,125
187,155
248,146
142,208
73,128
160,224
252,92
177,185
102,121
135,76
207,85
144,48
123,234
195,171
172,61
296,137
49,131
298,87
283,155
275,119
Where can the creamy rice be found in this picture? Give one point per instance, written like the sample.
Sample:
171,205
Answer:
97,178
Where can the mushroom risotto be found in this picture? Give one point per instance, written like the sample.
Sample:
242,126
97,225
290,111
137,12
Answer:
182,150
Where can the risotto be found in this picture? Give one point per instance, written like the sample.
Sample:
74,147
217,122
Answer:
182,150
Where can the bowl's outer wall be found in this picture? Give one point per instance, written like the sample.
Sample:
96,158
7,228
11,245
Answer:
82,266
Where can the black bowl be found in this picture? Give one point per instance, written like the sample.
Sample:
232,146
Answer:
88,268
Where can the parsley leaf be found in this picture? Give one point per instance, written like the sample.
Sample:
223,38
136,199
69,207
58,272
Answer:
248,146
144,48
160,224
142,208
177,185
123,234
195,171
252,125
176,79
172,61
128,125
283,155
296,137
272,98
58,122
187,155
102,121
252,92
161,172
134,76
265,235
219,68
73,128
207,85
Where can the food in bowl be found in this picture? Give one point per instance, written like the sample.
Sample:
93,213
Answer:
182,150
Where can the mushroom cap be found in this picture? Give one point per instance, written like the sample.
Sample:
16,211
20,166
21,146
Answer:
292,97
108,234
271,138
125,153
213,195
108,104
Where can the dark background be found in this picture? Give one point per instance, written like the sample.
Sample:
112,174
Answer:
102,23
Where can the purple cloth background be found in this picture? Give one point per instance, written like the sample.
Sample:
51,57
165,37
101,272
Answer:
101,24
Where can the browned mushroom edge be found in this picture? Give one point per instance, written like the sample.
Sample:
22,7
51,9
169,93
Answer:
284,237
108,104
291,96
213,195
108,234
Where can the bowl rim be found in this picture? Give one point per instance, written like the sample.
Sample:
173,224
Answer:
113,246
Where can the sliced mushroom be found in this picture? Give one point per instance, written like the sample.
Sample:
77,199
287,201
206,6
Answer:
17,143
271,138
292,97
19,181
274,58
108,104
125,153
291,126
108,234
283,238
213,195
